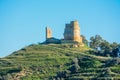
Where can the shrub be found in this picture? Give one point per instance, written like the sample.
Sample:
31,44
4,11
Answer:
87,62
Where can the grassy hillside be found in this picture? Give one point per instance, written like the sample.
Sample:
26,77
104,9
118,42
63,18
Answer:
57,62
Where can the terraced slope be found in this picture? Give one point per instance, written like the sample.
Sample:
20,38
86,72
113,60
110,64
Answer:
58,62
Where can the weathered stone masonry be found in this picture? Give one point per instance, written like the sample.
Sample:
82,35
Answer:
71,34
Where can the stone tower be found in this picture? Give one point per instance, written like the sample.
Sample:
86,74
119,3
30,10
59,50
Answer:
48,33
72,32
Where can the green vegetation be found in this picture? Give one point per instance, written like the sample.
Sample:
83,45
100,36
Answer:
58,62
104,48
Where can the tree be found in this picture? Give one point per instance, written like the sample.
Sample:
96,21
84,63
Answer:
114,45
115,52
105,48
84,40
95,42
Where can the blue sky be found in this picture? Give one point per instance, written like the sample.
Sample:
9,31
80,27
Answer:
23,22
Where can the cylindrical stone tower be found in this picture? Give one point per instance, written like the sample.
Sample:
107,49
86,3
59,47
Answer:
72,32
76,31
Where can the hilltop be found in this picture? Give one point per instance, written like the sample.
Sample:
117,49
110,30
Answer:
57,62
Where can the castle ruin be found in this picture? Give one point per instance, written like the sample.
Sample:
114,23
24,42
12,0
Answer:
71,34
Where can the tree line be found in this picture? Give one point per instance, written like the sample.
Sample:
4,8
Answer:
102,47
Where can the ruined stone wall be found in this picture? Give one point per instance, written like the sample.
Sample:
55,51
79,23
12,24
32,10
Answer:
68,32
48,33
